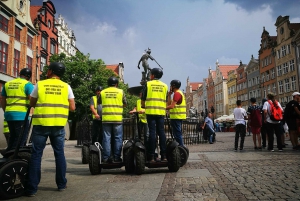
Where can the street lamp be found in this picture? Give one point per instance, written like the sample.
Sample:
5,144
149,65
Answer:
37,64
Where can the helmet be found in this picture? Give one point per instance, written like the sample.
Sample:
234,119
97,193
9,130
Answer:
99,88
157,72
112,81
26,72
176,83
57,68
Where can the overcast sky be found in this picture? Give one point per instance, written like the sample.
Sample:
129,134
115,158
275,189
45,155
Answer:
186,36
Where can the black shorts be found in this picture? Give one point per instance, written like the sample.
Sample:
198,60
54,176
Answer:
292,124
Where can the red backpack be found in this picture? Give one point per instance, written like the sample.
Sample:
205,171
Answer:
276,111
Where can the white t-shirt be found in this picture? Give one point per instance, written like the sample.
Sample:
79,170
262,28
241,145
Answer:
268,108
34,92
239,116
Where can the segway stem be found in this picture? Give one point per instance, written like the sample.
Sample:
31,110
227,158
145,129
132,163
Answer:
22,133
169,126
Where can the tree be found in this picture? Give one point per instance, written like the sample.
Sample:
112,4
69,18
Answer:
84,75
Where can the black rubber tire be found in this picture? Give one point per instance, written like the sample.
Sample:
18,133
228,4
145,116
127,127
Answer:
22,155
128,157
94,163
187,150
85,152
139,161
11,173
174,161
183,156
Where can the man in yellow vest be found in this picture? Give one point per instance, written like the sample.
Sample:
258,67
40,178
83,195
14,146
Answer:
177,107
154,100
113,100
14,102
96,109
52,99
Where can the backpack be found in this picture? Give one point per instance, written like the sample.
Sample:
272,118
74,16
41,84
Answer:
276,112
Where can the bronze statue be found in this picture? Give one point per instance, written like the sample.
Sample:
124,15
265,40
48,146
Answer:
147,69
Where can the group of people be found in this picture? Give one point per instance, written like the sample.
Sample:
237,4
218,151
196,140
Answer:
268,120
222,126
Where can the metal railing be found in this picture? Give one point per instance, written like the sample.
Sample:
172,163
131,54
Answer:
190,134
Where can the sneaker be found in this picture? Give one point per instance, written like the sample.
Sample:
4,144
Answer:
241,149
280,150
118,160
163,158
31,195
272,150
62,189
235,149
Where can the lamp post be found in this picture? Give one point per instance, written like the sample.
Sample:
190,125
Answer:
37,65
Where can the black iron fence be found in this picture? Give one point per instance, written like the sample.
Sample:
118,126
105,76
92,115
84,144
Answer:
190,133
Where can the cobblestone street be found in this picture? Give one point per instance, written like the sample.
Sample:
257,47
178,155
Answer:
213,172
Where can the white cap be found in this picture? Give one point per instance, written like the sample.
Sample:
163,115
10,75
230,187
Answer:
296,93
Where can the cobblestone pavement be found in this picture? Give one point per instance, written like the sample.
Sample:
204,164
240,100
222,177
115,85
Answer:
213,172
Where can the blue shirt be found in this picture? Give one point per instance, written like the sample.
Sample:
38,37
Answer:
209,123
17,116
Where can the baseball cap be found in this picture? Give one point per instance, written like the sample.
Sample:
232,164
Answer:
296,94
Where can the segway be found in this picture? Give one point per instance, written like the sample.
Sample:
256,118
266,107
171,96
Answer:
172,153
13,169
184,151
95,158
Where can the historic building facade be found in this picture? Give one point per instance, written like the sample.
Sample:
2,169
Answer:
253,75
241,82
211,89
231,90
66,37
285,60
18,39
43,18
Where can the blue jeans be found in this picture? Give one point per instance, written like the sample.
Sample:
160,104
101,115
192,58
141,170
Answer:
39,138
156,125
176,126
15,129
109,130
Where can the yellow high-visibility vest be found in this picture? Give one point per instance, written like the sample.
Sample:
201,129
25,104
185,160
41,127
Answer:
112,105
52,107
142,117
16,98
95,105
179,111
156,98
5,127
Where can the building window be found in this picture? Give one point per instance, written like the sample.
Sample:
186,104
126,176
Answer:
280,85
293,83
262,63
270,59
278,54
287,85
249,83
3,57
29,62
29,41
272,73
16,63
3,24
17,33
274,88
292,65
283,51
288,49
52,49
285,68
43,62
44,42
267,76
263,77
279,72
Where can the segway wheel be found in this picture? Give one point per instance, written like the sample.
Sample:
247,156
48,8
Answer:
85,154
174,161
183,156
94,163
128,156
12,179
22,155
139,162
187,150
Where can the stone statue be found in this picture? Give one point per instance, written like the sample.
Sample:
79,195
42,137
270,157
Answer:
147,69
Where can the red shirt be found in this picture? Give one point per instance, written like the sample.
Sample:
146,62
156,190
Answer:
177,98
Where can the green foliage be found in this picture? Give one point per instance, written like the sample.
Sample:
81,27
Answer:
84,75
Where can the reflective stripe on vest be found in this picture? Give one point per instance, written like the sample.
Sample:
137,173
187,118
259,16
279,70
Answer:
156,98
16,98
95,106
5,127
112,105
52,107
142,117
179,111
